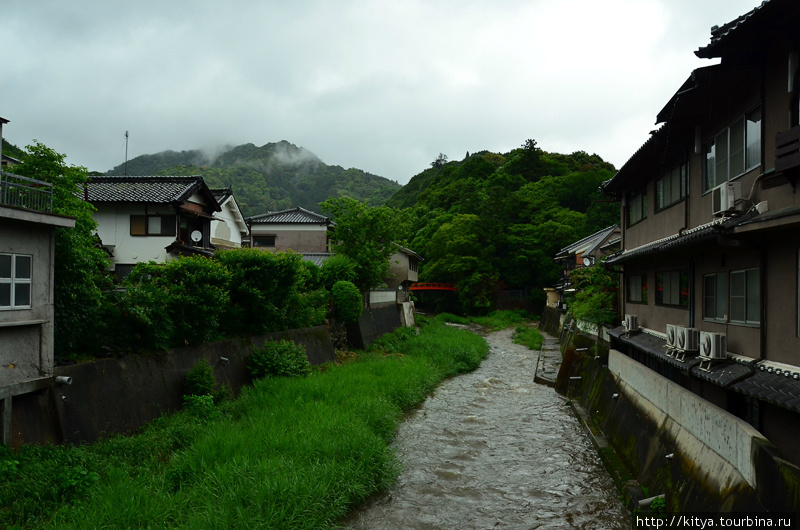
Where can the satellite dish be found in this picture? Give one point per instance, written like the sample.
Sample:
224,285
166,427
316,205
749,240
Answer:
196,236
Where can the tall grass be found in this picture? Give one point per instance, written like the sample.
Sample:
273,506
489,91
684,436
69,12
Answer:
288,453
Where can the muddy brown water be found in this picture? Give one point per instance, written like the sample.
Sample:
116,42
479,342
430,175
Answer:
493,449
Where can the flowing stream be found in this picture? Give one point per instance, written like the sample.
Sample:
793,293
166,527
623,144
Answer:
493,449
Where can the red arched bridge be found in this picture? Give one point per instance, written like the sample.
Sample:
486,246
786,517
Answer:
433,287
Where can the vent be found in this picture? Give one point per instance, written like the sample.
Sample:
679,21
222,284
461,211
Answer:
724,197
713,346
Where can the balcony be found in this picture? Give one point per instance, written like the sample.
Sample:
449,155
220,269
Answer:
787,149
27,193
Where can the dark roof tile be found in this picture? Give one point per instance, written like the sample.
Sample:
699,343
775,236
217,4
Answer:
151,189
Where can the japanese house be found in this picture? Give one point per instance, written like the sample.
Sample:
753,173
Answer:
152,218
710,258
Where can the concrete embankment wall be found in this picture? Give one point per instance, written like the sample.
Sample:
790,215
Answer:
111,396
119,395
718,443
674,442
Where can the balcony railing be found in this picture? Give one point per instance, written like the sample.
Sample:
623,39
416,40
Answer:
787,149
24,192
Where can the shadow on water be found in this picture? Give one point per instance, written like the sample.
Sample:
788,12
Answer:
492,449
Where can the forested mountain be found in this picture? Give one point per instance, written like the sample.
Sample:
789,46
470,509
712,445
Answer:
272,177
495,221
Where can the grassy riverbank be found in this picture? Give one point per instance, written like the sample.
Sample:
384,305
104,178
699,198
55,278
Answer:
288,453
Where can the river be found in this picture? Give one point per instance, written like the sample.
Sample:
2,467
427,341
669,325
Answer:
493,449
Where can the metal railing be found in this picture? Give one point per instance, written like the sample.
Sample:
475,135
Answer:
24,192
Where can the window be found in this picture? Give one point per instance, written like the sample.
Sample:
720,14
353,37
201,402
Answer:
671,188
738,292
745,297
715,296
152,225
15,281
637,208
637,288
263,241
672,288
733,151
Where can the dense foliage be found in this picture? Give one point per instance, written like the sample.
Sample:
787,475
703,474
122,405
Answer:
282,358
495,221
367,235
192,300
275,176
595,296
79,263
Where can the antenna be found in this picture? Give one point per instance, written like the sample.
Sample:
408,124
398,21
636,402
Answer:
126,153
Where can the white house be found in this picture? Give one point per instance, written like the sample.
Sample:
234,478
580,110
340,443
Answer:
152,218
228,229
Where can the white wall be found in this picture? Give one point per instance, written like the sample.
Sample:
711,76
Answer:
718,443
114,229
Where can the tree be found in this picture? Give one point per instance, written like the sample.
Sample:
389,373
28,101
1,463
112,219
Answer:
366,235
79,262
440,160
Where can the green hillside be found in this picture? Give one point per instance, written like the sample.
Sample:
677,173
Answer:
272,177
495,221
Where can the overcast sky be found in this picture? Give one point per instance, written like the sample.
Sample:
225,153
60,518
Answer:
381,85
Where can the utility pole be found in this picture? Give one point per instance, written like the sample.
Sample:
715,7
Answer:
126,153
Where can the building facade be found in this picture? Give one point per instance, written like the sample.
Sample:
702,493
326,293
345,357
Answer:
710,242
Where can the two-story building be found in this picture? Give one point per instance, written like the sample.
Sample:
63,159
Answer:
152,218
710,258
27,254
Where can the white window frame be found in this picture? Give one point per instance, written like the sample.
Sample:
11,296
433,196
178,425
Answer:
733,151
14,281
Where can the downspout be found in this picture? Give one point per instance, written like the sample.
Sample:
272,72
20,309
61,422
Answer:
692,309
762,280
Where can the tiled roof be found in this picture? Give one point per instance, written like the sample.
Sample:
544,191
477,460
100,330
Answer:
655,346
317,258
768,381
778,389
721,33
151,189
293,215
221,194
698,233
588,243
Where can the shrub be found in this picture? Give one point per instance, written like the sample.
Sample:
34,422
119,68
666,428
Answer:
347,301
199,380
196,291
281,358
338,268
261,285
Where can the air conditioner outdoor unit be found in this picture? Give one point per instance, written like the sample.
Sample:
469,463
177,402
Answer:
688,339
724,197
672,336
713,345
631,323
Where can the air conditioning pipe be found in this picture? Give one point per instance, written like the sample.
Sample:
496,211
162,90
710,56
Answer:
63,380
